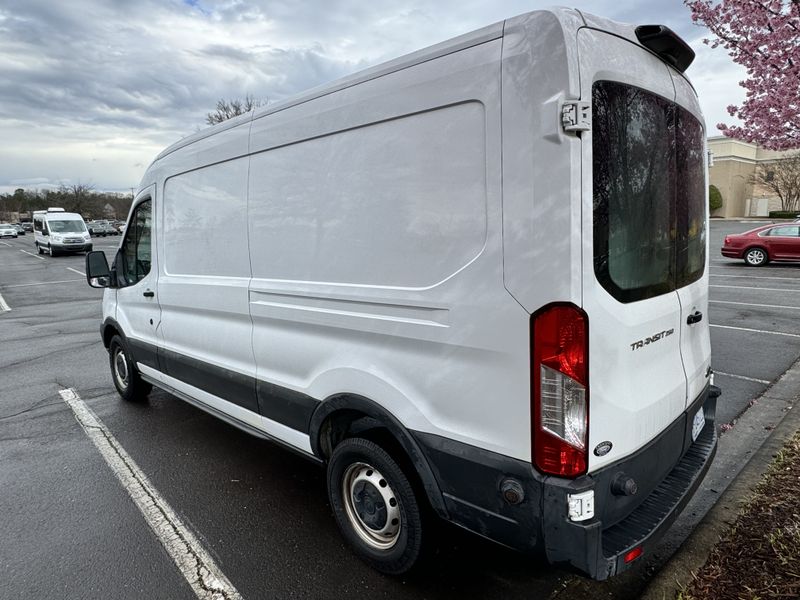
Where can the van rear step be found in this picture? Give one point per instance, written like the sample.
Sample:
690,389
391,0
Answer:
663,505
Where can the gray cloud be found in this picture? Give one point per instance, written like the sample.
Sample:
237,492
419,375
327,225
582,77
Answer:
94,89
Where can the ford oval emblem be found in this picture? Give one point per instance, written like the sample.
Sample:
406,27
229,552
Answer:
602,448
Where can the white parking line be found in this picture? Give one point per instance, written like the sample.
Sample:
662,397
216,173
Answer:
192,560
6,244
4,307
794,335
750,287
17,285
32,254
76,271
752,304
797,279
742,377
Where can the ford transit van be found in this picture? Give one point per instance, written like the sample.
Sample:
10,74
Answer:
472,283
58,232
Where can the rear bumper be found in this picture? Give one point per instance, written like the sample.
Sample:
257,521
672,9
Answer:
732,252
668,471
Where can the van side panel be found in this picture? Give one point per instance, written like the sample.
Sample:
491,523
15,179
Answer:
541,164
375,232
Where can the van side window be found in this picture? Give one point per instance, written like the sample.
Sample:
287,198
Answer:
135,254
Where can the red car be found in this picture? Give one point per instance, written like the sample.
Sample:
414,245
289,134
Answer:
759,246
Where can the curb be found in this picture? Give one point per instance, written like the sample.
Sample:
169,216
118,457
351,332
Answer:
772,420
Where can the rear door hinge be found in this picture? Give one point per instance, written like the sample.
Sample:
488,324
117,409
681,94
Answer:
576,115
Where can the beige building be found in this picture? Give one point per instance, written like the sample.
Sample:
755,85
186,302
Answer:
733,164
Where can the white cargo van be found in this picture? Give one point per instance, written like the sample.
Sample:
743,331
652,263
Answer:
472,282
58,232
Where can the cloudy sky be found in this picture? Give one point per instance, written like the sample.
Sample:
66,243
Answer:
92,90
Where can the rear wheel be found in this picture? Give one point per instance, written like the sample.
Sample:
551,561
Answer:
39,248
756,257
123,371
375,506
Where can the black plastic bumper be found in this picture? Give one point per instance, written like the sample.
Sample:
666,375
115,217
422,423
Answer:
668,471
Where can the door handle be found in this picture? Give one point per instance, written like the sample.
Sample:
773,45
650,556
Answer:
694,318
148,294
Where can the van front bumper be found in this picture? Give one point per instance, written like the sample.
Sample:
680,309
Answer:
667,471
85,247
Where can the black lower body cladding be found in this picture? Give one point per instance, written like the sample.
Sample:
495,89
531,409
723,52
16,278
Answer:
667,472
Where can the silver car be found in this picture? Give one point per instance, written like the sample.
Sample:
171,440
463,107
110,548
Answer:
7,230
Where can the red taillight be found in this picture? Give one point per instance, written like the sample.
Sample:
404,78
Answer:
559,399
727,241
632,555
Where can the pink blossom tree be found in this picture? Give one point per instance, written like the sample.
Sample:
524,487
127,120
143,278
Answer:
764,37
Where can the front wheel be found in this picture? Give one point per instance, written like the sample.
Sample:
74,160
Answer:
124,373
375,506
756,257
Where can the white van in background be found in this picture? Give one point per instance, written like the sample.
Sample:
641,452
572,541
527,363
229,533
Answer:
58,232
472,282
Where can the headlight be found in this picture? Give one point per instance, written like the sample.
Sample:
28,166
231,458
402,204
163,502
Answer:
56,238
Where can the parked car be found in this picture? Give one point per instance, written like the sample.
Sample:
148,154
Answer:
7,230
19,228
778,242
101,228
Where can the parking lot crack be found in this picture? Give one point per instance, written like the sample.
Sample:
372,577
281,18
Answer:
196,565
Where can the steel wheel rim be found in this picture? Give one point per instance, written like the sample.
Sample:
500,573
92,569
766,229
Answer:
371,506
121,371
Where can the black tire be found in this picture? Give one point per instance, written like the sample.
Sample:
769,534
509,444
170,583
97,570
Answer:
39,248
129,384
756,257
352,461
53,251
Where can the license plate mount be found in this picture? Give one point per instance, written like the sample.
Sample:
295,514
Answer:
698,423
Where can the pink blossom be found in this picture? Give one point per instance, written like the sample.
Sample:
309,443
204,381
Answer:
764,37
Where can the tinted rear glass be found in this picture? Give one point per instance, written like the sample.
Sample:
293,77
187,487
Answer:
649,193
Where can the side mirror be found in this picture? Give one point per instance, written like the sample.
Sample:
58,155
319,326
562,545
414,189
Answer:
44,232
98,274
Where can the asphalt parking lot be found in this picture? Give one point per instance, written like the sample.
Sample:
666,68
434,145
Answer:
70,530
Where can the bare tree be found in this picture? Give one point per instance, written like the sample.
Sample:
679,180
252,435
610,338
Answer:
227,109
782,177
77,196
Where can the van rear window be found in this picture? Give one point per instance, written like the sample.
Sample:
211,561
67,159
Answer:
649,193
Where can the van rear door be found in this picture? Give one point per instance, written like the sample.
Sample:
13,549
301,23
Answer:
637,383
692,251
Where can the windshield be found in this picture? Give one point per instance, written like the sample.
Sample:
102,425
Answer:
71,226
649,193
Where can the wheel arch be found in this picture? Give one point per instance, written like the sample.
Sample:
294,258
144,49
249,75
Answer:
109,329
343,414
